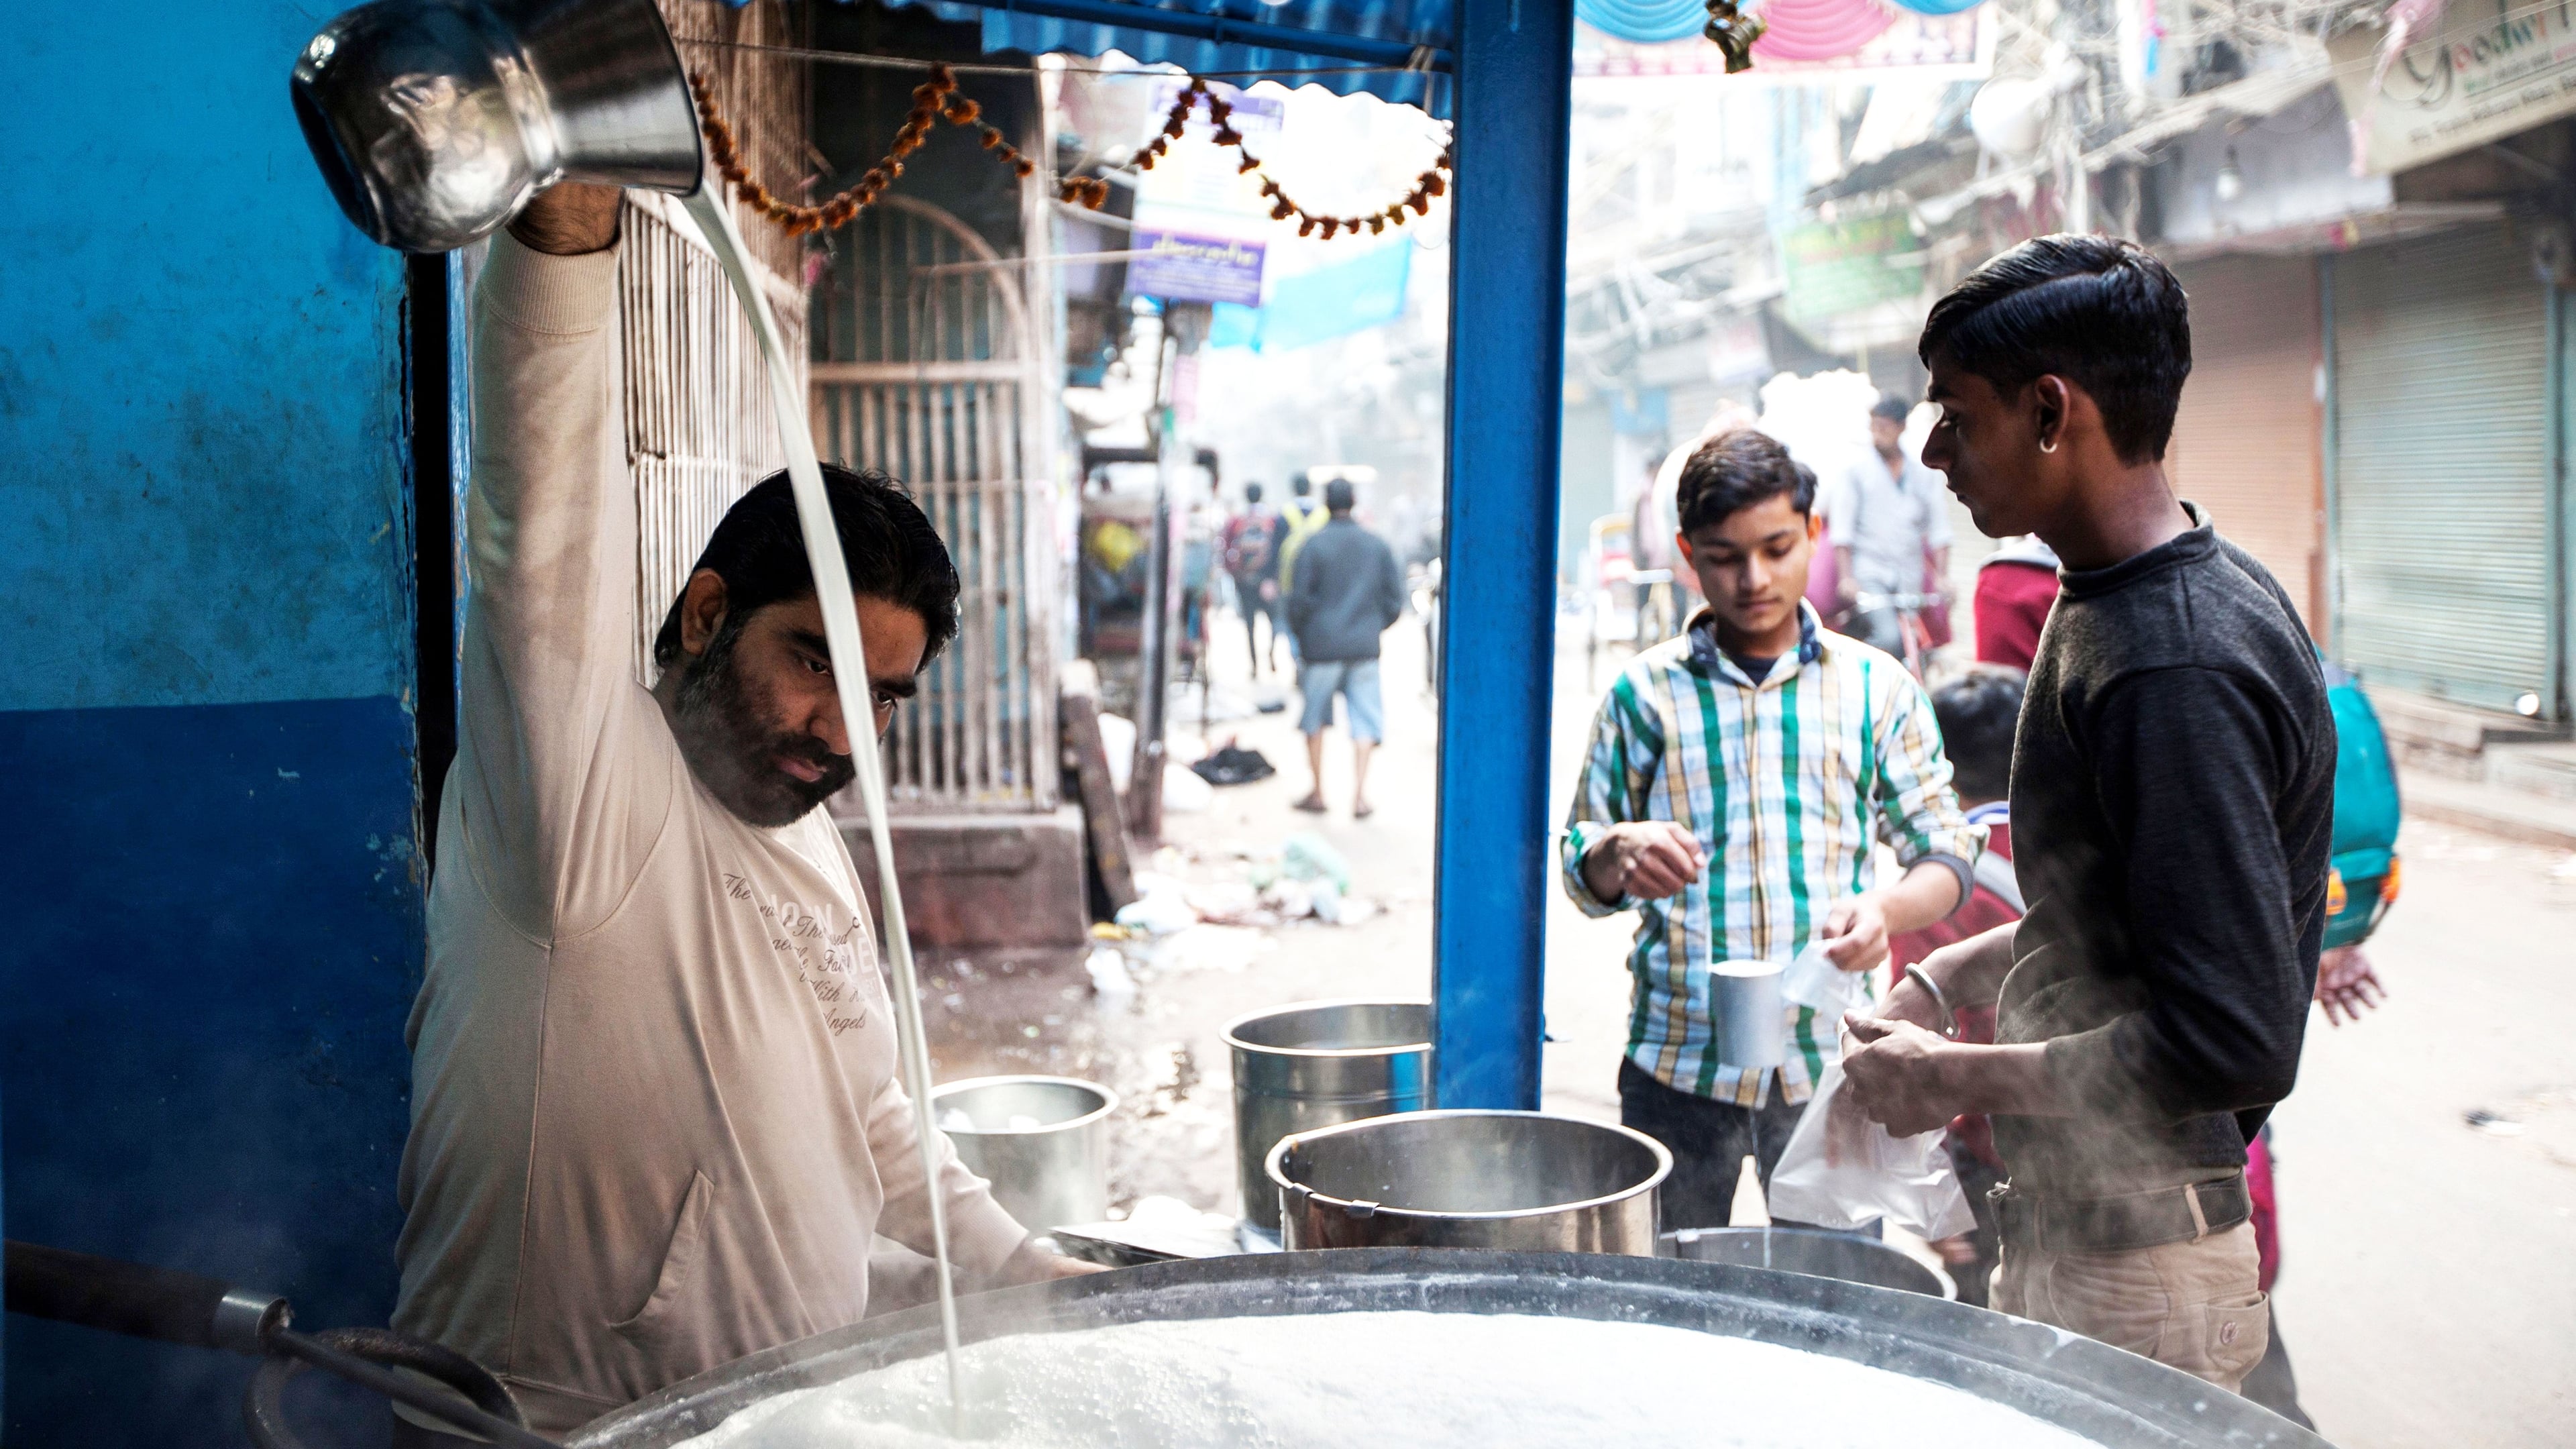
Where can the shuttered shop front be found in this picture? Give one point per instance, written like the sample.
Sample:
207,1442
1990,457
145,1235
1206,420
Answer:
2246,444
2442,467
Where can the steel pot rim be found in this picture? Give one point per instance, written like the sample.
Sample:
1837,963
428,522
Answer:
1273,1164
1109,1103
1235,1041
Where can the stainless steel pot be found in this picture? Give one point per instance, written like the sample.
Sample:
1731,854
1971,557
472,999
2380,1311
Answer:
434,121
1525,1181
1847,1256
2111,1397
1317,1064
1051,1170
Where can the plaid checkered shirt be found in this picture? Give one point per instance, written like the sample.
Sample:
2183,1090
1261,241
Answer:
1784,781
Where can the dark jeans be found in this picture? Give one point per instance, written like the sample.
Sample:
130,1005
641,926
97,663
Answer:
2272,1384
1976,1179
1709,1141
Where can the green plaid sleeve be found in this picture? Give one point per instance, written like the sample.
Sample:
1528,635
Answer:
1619,766
1918,813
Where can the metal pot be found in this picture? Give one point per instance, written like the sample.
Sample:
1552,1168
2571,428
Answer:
2088,1388
1526,1181
1316,1064
1046,1175
1848,1256
434,121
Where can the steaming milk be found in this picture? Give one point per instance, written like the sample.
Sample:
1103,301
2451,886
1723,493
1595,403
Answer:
1338,1379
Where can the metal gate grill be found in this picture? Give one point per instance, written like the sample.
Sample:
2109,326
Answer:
928,345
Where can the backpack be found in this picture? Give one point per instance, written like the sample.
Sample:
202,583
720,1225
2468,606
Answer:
1307,520
1247,545
2363,880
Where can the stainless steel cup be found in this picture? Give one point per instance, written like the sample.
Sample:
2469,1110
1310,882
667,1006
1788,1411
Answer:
1043,1142
434,121
1752,1027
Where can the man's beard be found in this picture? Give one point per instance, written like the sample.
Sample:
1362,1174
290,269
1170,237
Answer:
732,749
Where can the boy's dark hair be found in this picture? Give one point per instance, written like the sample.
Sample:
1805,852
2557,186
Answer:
1301,485
2099,311
1978,712
892,552
1736,470
1339,497
1251,492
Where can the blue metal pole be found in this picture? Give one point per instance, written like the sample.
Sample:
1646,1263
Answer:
1506,374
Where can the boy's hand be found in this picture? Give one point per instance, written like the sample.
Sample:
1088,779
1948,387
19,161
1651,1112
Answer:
1855,933
1645,860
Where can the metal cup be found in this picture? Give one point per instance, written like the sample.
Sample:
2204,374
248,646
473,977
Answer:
1751,1025
434,121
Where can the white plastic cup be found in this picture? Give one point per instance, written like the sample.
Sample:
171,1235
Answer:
1751,1025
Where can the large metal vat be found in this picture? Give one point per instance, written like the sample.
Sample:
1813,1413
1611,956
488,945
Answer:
1043,1142
1847,1256
1316,1064
2114,1398
1520,1181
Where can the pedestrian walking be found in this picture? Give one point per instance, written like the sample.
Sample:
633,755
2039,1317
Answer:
1251,545
2172,801
1762,754
1892,521
1348,590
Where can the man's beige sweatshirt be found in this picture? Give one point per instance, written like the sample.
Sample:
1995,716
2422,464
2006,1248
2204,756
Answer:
655,1112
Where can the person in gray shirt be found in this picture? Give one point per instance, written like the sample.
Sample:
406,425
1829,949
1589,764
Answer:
1893,515
1345,591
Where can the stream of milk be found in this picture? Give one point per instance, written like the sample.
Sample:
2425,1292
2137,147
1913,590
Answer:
1332,1380
850,677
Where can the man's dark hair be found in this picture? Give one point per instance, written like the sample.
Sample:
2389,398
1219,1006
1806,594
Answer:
1978,712
1338,496
1736,470
1251,492
1891,407
1301,485
2099,311
892,552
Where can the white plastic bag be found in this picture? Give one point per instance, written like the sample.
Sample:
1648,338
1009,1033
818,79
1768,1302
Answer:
1841,1170
1812,979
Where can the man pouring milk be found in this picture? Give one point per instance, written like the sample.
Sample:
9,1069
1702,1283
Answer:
656,1121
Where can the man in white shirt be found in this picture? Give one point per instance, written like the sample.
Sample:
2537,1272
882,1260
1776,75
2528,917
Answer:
656,1121
1892,517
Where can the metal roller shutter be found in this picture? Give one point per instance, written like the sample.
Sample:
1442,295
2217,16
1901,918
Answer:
2246,443
2442,467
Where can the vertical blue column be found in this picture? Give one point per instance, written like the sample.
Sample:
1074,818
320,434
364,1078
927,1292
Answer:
1506,373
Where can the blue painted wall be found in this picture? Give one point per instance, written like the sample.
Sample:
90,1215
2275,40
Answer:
207,866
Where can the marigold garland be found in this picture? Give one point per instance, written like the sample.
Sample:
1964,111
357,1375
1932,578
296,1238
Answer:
1091,192
934,100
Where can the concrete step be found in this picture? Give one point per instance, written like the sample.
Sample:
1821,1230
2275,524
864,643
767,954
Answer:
2543,770
2511,813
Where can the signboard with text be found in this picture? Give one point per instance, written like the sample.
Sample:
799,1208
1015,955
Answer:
1201,221
2489,70
1830,268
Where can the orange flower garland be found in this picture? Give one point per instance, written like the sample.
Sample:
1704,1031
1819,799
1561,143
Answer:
1092,192
933,101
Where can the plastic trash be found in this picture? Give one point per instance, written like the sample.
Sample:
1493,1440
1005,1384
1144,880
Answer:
1184,793
1118,742
1841,1170
1110,979
1159,908
1326,898
1306,856
1234,765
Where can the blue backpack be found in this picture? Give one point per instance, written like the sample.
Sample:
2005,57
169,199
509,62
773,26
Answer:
2363,882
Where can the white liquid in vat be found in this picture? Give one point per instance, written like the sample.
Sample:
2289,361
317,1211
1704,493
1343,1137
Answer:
1344,1379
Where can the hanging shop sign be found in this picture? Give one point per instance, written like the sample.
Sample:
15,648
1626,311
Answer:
1201,221
2490,69
1912,45
1834,268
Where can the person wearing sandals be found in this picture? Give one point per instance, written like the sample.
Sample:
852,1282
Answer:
1345,591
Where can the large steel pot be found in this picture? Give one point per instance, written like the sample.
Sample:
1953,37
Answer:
2091,1389
1847,1256
1317,1064
1043,1142
1524,1181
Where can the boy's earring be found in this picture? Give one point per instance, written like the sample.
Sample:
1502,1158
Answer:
2047,445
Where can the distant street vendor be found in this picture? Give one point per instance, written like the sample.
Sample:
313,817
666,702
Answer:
1736,779
656,1122
2172,800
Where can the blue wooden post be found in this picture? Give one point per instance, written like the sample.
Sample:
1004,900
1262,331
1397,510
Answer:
1506,372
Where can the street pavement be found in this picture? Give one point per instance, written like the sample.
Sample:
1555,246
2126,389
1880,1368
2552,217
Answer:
2428,1293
